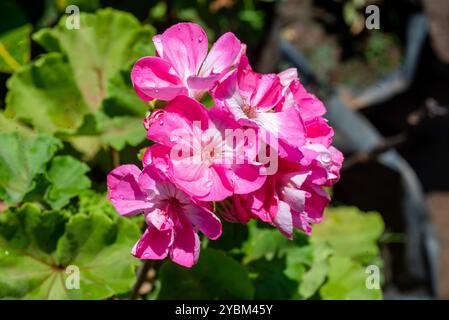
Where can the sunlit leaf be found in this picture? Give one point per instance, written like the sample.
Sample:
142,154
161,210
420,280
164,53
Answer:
109,40
347,280
85,76
315,277
67,179
15,35
37,247
350,232
21,159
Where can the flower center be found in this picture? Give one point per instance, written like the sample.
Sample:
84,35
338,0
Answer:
249,111
172,202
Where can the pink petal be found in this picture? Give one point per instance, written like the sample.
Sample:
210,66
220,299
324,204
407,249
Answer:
298,178
264,204
288,75
224,53
200,180
294,197
159,219
188,169
318,131
309,105
241,209
337,162
204,220
283,220
288,152
244,61
167,128
147,179
248,84
197,188
286,125
235,209
300,222
316,203
116,175
185,47
157,155
157,41
127,197
152,79
227,86
153,244
268,92
201,83
190,109
219,187
186,244
245,178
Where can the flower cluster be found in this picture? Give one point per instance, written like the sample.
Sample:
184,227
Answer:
262,151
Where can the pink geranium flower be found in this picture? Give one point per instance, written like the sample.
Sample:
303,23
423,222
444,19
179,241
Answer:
252,99
183,66
210,167
309,106
171,215
294,197
264,151
318,133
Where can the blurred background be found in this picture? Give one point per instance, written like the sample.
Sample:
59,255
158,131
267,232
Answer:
386,90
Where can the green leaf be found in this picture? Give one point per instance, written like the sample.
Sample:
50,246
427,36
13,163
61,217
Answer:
347,280
207,101
15,48
21,159
270,281
36,247
298,260
216,276
14,37
85,76
44,94
343,227
262,243
121,98
121,131
315,277
109,40
8,125
67,179
116,132
90,201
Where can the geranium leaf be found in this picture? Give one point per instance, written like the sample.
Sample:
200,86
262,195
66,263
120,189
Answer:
108,39
62,91
8,125
121,98
263,243
118,132
67,179
44,94
21,159
14,37
270,281
347,280
36,247
216,276
345,226
315,277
